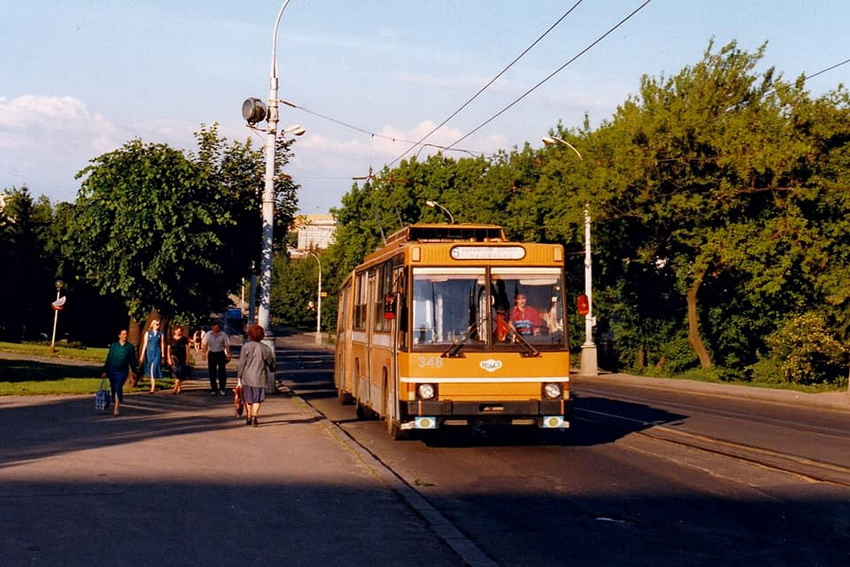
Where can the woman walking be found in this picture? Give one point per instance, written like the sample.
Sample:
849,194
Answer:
153,346
256,360
178,358
120,359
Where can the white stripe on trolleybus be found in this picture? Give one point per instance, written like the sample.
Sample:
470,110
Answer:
483,380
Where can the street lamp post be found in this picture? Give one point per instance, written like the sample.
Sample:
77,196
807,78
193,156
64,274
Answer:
269,192
318,300
589,364
552,140
57,307
589,360
254,111
434,204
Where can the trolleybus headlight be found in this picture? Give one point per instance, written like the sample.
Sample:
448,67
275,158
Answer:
426,391
552,390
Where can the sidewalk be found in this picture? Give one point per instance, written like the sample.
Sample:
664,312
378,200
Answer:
828,400
179,480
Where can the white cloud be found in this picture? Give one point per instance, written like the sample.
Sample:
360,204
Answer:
46,140
46,123
387,143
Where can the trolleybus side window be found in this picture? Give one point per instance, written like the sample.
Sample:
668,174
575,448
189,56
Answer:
385,286
361,295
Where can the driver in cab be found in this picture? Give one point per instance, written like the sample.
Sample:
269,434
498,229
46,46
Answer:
525,318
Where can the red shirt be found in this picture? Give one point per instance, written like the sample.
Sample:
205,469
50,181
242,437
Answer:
525,321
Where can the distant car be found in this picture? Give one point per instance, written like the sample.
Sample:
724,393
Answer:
234,324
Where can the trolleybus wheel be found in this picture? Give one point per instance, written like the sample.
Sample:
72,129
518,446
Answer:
394,429
345,398
361,411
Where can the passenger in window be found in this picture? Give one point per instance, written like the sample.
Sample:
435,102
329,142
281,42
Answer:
499,298
525,318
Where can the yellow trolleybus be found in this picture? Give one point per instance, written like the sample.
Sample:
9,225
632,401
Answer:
454,325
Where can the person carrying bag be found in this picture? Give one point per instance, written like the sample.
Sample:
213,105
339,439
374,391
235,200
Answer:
101,398
120,360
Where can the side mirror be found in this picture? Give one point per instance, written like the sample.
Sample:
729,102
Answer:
389,307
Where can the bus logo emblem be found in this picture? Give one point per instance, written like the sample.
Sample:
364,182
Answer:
491,365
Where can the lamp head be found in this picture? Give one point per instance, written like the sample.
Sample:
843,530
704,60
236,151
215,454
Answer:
254,110
295,130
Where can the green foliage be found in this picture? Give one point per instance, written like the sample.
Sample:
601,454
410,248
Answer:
293,296
29,271
804,351
170,231
767,371
42,351
37,247
146,216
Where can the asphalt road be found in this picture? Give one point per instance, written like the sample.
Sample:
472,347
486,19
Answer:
613,491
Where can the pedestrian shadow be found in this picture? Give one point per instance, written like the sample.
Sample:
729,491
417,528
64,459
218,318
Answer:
38,428
278,422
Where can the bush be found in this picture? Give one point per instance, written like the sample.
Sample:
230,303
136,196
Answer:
767,371
805,351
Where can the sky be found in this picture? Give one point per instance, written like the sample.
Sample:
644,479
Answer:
79,78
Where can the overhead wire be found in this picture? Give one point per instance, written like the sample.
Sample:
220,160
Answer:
371,133
471,152
452,147
830,68
488,84
552,74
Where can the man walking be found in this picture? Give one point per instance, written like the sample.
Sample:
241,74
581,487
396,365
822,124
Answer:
216,347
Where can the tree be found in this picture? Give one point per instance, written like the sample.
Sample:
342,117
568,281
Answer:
293,298
703,158
29,271
172,232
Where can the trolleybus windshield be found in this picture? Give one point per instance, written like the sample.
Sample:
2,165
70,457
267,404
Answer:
483,307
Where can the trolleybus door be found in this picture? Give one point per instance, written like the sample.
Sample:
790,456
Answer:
370,342
392,311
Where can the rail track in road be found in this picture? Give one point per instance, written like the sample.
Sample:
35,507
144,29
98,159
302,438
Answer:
808,468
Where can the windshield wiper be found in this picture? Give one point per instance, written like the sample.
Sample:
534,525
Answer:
453,350
518,338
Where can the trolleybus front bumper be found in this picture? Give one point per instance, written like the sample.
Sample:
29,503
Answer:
549,414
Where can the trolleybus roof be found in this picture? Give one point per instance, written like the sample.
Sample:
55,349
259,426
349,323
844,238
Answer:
448,233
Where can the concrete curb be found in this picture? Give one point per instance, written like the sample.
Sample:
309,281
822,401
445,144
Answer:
828,400
442,527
